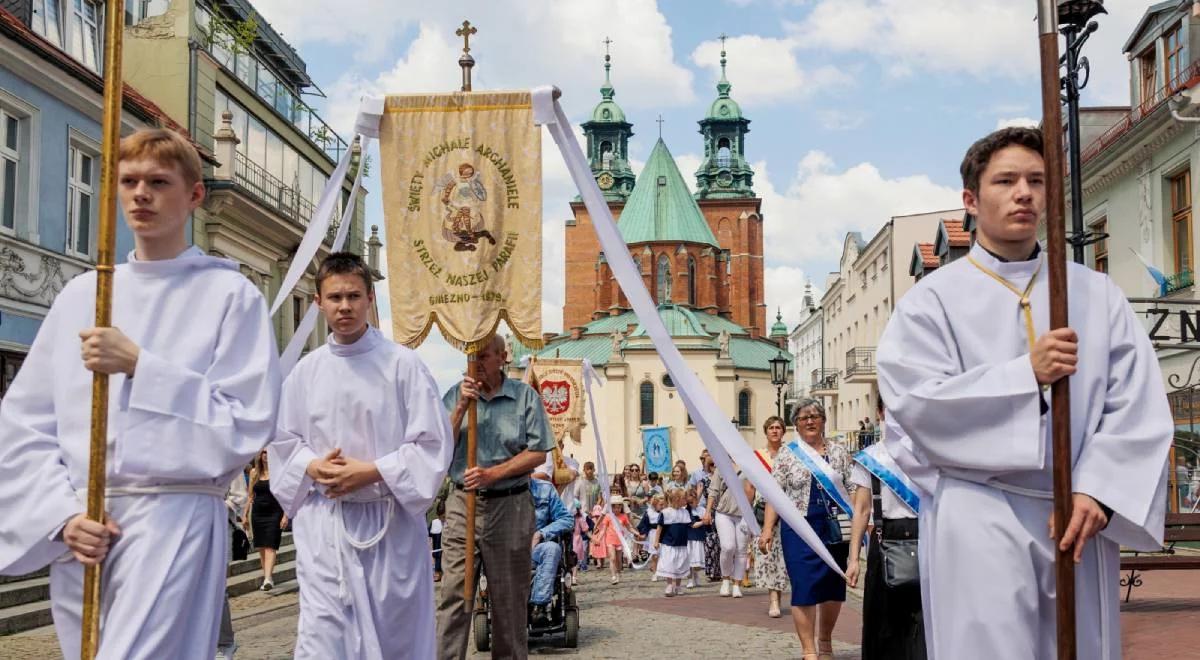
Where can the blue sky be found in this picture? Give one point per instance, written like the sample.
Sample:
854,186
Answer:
860,109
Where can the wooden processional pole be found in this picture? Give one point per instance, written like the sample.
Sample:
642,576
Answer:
114,25
466,61
1056,261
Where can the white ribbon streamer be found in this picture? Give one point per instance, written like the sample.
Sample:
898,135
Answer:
722,440
589,375
291,353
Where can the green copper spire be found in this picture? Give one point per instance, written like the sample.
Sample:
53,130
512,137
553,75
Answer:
723,85
608,135
725,174
661,209
780,328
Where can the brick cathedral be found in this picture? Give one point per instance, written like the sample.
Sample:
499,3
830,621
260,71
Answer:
704,251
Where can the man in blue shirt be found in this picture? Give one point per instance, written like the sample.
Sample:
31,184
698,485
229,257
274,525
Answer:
514,436
552,520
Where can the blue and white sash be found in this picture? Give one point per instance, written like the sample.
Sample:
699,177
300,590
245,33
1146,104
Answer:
821,470
884,467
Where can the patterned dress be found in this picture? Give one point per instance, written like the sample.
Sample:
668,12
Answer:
712,543
769,570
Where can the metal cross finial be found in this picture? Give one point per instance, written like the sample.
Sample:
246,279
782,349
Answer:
660,123
607,42
723,37
465,32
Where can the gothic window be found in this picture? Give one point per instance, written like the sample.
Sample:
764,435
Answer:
646,395
723,152
691,277
744,408
664,279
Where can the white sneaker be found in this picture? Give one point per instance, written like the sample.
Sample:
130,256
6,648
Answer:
724,587
737,591
691,584
654,578
615,579
226,652
670,590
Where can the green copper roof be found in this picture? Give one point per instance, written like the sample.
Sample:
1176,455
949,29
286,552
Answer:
680,322
661,208
595,345
780,328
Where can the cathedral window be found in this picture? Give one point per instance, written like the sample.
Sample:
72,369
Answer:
744,408
691,278
606,155
646,396
663,287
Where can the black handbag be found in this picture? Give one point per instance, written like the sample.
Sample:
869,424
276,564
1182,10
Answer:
241,544
900,565
760,511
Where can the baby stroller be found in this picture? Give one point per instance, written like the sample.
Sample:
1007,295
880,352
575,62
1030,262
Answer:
563,610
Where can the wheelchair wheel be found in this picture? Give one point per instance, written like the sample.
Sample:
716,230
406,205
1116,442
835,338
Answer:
483,632
571,634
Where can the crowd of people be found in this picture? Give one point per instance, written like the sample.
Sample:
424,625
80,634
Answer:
360,442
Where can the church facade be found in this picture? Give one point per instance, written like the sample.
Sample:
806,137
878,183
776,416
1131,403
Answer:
701,258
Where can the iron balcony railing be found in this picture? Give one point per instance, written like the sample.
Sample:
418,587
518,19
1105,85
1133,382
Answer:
1185,79
270,191
860,361
824,379
1179,281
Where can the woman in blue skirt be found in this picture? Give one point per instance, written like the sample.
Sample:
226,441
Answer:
817,591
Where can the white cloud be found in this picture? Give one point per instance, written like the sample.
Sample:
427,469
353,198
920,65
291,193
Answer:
841,120
785,292
982,38
518,46
1024,122
807,222
765,70
688,164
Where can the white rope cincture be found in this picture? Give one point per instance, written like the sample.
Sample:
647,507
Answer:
341,533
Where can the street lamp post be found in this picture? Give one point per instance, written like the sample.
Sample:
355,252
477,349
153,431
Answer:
779,378
1074,20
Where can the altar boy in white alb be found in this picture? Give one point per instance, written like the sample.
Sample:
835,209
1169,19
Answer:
964,364
193,392
363,444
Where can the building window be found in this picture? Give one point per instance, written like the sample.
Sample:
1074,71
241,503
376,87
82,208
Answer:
81,207
138,10
1181,221
691,277
1148,64
646,392
10,162
10,364
47,20
84,39
298,309
1100,247
744,408
664,279
723,153
1174,47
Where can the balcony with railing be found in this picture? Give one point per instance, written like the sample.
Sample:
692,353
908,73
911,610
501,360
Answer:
860,364
1179,282
824,382
1185,79
270,191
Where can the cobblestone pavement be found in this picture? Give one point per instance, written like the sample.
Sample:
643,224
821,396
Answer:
632,619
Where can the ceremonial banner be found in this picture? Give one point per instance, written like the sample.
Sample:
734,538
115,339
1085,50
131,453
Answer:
462,194
560,381
656,444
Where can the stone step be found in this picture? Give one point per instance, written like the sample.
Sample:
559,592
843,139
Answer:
25,599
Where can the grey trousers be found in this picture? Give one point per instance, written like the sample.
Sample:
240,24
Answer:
225,636
503,534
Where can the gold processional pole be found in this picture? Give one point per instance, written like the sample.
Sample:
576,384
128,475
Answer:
466,61
1056,257
113,31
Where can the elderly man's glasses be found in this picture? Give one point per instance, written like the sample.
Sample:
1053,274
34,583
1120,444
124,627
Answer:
806,418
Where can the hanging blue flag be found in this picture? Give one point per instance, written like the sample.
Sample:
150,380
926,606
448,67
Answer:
656,443
1156,274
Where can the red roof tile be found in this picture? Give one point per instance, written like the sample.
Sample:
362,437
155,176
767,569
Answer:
955,234
133,100
928,259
